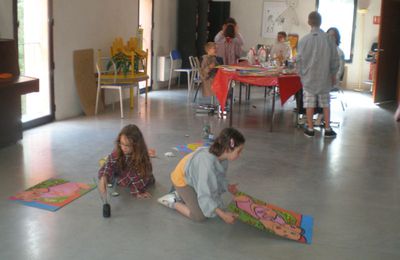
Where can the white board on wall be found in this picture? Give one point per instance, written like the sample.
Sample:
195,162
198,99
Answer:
272,21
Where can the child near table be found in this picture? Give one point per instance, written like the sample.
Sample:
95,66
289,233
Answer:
129,164
199,179
281,50
208,68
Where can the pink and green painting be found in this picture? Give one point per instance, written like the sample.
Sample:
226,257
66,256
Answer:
271,218
52,194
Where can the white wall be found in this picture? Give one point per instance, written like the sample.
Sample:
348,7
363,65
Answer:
248,14
80,25
164,34
6,19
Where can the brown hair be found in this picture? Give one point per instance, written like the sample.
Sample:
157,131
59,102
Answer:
230,20
227,140
229,31
282,33
337,34
314,19
140,156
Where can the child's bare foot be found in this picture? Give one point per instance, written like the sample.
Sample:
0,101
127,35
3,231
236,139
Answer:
143,195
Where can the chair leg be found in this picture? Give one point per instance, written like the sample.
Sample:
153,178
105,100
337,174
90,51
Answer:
189,83
131,97
170,78
197,91
97,99
121,103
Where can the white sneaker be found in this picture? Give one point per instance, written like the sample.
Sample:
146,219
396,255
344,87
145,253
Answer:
115,194
168,200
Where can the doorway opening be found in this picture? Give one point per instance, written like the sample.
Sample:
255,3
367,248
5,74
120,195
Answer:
33,32
146,23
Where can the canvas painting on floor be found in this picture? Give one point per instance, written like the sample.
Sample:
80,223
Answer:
52,194
271,218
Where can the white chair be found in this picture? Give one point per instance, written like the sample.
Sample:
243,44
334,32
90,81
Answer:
196,80
104,81
176,64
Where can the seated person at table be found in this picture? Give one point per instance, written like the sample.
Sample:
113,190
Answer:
281,50
208,68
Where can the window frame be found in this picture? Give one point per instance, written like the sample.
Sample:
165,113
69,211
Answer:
353,31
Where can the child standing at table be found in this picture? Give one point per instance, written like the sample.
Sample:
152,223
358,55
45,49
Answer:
208,68
129,164
199,179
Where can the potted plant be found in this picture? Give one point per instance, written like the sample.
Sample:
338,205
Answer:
122,63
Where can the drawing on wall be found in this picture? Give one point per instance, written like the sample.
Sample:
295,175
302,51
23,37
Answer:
278,16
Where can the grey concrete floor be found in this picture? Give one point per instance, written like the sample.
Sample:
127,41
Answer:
350,185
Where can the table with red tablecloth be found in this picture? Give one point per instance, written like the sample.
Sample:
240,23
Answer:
288,85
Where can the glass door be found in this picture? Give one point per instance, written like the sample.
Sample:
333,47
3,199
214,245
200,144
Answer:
34,59
146,22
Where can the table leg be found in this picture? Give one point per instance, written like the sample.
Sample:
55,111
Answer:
273,107
240,92
231,105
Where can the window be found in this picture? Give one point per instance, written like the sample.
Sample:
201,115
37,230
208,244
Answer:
340,14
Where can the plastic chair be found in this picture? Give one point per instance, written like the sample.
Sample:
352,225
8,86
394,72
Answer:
176,63
338,89
109,82
196,80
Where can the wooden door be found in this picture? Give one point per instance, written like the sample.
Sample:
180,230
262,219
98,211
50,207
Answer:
386,85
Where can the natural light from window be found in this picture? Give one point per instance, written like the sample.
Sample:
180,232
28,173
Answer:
339,14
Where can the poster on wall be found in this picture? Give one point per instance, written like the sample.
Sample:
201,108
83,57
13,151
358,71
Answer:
273,21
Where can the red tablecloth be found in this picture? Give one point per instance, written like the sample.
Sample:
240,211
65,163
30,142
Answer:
288,84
